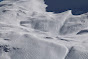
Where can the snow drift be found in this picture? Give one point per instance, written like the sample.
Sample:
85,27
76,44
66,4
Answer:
27,31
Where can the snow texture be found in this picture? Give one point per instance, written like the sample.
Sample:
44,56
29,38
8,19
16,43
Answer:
27,31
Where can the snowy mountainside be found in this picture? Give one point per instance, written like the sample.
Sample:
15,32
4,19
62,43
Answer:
27,31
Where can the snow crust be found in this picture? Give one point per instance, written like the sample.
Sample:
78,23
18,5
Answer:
27,31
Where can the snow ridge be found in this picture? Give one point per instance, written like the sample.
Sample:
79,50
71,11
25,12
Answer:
27,31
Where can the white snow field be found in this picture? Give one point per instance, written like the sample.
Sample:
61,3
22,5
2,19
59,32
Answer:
27,31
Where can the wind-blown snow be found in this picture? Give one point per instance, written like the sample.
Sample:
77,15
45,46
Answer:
27,31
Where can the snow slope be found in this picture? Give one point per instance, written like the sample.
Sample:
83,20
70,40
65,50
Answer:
27,31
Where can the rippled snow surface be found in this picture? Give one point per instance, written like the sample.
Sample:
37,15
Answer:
27,31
